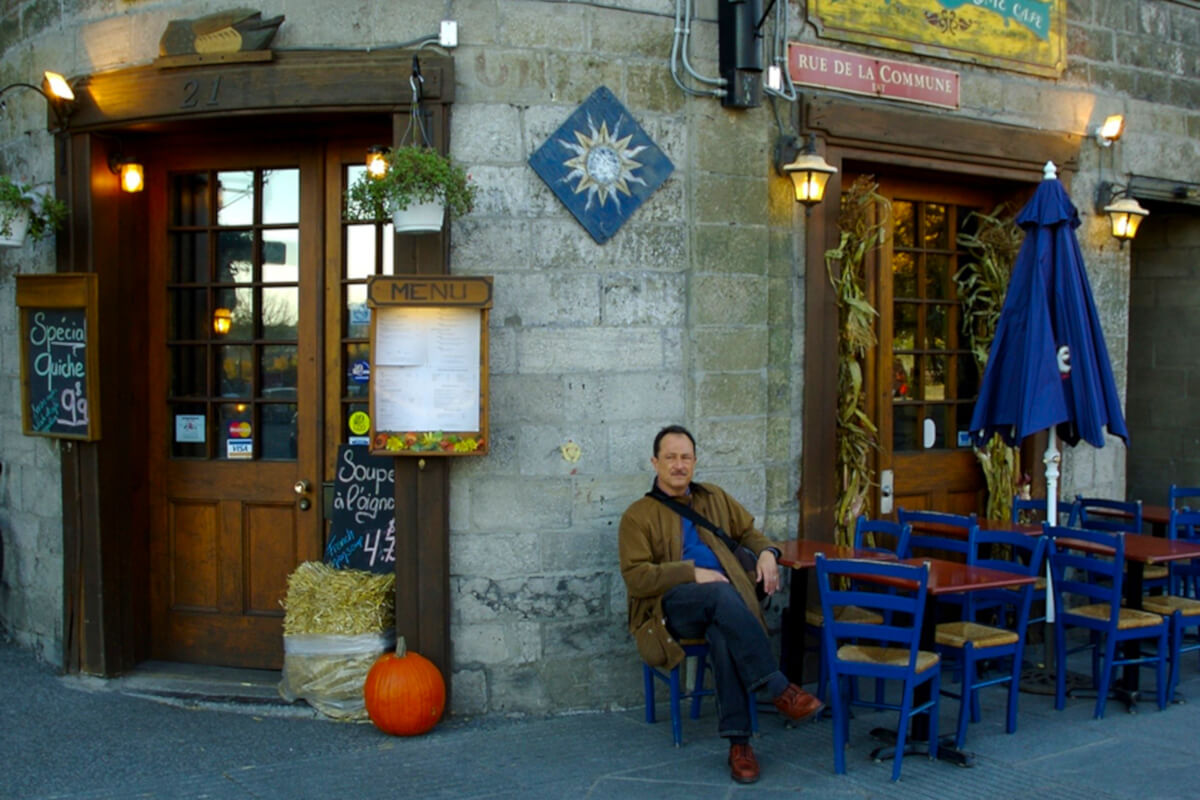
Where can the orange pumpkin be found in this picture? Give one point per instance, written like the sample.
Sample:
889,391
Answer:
405,694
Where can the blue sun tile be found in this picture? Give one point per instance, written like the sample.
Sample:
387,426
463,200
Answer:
601,164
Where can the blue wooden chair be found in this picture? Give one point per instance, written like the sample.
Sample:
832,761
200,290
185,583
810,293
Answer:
1102,514
888,650
934,531
692,648
1185,575
877,536
969,641
1093,584
1178,606
1028,510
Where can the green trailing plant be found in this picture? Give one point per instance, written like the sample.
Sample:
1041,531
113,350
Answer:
46,214
862,226
982,283
414,175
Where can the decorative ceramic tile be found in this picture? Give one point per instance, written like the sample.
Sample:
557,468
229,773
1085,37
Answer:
601,164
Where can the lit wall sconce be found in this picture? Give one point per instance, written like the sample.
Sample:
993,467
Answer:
377,165
1124,212
55,91
808,170
222,321
133,176
1110,130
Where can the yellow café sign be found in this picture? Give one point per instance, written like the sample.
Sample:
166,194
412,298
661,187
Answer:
1020,35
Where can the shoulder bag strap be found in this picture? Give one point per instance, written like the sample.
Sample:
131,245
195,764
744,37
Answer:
694,516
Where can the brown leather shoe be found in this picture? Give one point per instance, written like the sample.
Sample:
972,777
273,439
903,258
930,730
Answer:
797,704
743,766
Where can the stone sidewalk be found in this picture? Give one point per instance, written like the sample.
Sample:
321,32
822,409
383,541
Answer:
73,737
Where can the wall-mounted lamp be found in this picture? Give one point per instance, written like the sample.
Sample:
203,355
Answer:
222,321
1124,212
377,161
808,170
55,91
133,177
1110,130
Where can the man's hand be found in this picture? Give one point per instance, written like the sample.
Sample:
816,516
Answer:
768,571
706,575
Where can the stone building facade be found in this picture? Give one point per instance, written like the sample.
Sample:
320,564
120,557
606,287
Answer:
697,311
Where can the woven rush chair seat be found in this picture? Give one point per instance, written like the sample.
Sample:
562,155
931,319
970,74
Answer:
1168,604
891,656
957,634
1153,572
1128,617
814,617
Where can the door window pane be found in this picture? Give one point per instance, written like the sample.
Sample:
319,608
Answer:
189,430
904,275
360,251
281,256
235,198
187,314
278,431
235,257
904,220
235,371
189,199
904,427
933,383
235,432
280,312
358,314
937,231
188,374
357,359
189,257
279,363
281,196
240,305
938,277
935,327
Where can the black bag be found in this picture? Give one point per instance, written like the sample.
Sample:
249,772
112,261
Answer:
744,555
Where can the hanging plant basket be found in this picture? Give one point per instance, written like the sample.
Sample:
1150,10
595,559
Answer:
18,226
27,210
419,217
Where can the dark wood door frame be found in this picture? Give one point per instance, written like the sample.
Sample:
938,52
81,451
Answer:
104,483
868,132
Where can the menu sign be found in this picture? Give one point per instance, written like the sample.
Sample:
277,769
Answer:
428,371
58,355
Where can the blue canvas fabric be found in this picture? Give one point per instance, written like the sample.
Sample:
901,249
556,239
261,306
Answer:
1049,304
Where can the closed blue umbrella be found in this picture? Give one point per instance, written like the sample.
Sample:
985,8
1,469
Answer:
1048,367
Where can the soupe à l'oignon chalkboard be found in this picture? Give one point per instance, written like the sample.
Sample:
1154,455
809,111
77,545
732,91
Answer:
362,534
59,355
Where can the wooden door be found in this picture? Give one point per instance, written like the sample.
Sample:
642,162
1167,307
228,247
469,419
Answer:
234,356
925,377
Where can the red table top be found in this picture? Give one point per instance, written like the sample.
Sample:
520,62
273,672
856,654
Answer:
802,553
1148,549
951,577
1007,525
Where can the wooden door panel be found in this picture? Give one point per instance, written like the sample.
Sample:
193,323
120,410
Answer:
236,227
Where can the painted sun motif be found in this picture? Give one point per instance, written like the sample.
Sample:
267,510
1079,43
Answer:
603,163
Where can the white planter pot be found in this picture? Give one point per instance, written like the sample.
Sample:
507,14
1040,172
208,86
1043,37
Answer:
17,229
419,218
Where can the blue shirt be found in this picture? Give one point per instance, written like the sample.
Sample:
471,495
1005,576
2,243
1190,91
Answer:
697,551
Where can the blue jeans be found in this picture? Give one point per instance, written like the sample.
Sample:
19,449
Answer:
741,655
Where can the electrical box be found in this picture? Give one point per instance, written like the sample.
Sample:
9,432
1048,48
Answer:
740,52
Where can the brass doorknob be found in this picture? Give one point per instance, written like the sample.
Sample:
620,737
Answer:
302,487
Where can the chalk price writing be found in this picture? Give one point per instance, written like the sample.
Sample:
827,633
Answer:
373,541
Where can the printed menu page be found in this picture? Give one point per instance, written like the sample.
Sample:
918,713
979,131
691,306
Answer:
426,374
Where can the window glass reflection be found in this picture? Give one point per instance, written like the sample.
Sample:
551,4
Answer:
360,251
235,257
281,196
240,305
189,194
280,312
235,370
235,198
281,255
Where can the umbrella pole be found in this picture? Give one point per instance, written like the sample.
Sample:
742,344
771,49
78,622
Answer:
1051,459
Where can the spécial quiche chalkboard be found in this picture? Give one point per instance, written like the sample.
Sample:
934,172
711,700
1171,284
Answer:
59,362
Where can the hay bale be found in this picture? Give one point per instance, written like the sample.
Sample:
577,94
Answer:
337,622
321,599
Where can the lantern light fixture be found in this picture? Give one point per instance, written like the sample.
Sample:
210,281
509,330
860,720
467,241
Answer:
131,171
808,170
377,165
1125,214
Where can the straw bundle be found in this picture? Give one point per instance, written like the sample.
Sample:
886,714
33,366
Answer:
337,622
321,599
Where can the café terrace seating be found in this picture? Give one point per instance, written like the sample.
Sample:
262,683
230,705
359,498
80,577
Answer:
1102,514
1182,611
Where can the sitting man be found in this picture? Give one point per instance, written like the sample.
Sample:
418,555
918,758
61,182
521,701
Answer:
681,572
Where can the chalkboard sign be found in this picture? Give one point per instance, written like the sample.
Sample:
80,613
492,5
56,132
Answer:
362,534
59,355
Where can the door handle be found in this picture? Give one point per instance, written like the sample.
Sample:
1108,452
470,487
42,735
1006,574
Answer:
887,486
302,487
